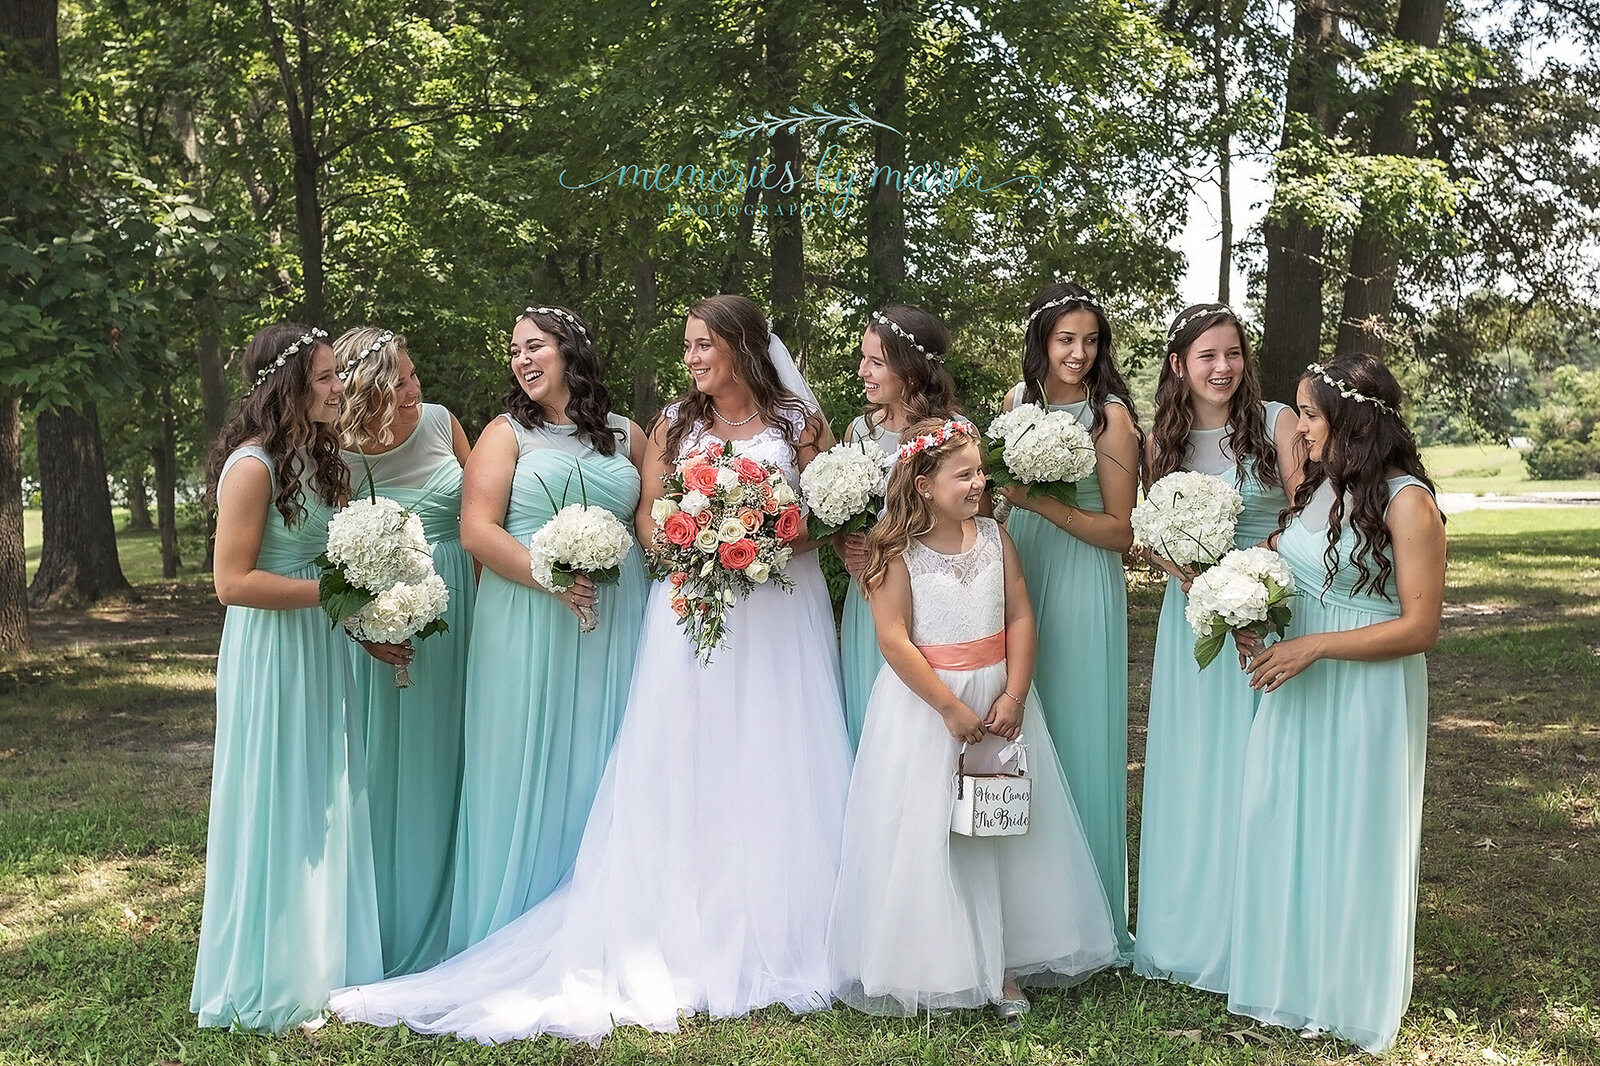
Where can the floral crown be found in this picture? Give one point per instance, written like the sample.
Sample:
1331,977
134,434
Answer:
1347,391
1062,301
306,340
1206,311
349,366
904,334
559,312
954,427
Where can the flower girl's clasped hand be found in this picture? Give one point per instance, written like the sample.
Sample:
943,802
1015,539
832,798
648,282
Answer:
964,724
1005,716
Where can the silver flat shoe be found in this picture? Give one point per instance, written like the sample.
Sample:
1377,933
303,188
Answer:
1012,1008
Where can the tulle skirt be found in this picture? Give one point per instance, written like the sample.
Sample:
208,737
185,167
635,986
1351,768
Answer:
926,919
708,862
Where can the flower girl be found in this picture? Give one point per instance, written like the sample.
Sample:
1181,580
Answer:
923,919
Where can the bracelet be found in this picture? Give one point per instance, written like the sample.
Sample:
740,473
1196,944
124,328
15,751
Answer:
1013,699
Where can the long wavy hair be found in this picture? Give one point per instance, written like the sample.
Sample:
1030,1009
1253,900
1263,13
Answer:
905,513
1104,378
276,414
588,401
1363,444
740,323
930,391
1247,435
368,407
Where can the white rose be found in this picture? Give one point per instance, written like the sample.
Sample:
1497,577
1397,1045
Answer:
726,478
694,502
663,509
707,540
758,571
731,530
782,493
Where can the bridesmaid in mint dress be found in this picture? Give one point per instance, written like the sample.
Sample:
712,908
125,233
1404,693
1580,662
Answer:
903,375
411,452
543,699
1072,557
1325,898
290,909
1209,418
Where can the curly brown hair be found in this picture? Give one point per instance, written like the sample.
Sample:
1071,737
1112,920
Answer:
1104,378
741,324
1363,443
905,513
369,385
276,413
1248,435
930,391
588,400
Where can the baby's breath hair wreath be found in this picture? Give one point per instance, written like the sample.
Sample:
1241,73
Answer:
306,340
933,440
557,312
1205,311
904,334
1061,302
1347,391
370,350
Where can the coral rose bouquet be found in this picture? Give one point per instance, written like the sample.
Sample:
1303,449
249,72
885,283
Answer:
1047,452
723,526
378,579
1248,589
1188,519
843,489
579,538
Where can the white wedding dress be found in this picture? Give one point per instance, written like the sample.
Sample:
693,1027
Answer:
710,855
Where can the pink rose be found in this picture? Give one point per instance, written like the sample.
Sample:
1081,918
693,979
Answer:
681,529
750,472
738,554
789,526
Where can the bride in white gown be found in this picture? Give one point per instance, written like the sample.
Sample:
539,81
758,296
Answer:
708,862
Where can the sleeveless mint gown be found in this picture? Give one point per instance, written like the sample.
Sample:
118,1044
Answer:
290,908
1194,764
543,700
1325,897
859,656
1080,603
414,734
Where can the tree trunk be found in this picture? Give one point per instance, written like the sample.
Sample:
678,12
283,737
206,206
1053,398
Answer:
1369,287
784,227
646,393
886,209
744,229
166,458
32,24
14,633
138,498
1292,330
299,92
78,564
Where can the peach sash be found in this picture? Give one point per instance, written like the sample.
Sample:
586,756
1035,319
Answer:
968,655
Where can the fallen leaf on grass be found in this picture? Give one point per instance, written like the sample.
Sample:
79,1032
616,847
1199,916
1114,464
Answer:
8,753
1485,844
1191,1035
1492,1055
1244,1036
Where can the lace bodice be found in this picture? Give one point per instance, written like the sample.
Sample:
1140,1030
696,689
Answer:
957,598
768,446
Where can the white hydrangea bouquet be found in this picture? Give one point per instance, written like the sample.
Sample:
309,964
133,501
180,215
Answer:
1046,451
843,488
1188,519
1248,589
723,526
579,539
378,579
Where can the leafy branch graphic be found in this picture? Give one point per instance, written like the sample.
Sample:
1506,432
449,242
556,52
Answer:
769,123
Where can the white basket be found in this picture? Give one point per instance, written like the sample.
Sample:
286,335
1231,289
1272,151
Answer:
993,805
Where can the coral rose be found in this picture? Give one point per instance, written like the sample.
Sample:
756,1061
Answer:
681,529
738,554
677,577
701,478
750,517
750,472
789,524
680,606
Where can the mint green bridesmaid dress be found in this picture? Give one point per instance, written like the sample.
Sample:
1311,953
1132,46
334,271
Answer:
1194,762
543,700
1325,895
290,909
414,734
859,656
1080,603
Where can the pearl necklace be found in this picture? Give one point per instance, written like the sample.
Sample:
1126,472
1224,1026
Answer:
728,421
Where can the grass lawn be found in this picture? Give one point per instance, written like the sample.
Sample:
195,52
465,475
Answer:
1486,468
104,770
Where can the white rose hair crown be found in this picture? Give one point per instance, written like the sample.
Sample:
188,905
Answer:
368,352
905,335
558,312
306,340
954,427
1345,390
1203,311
